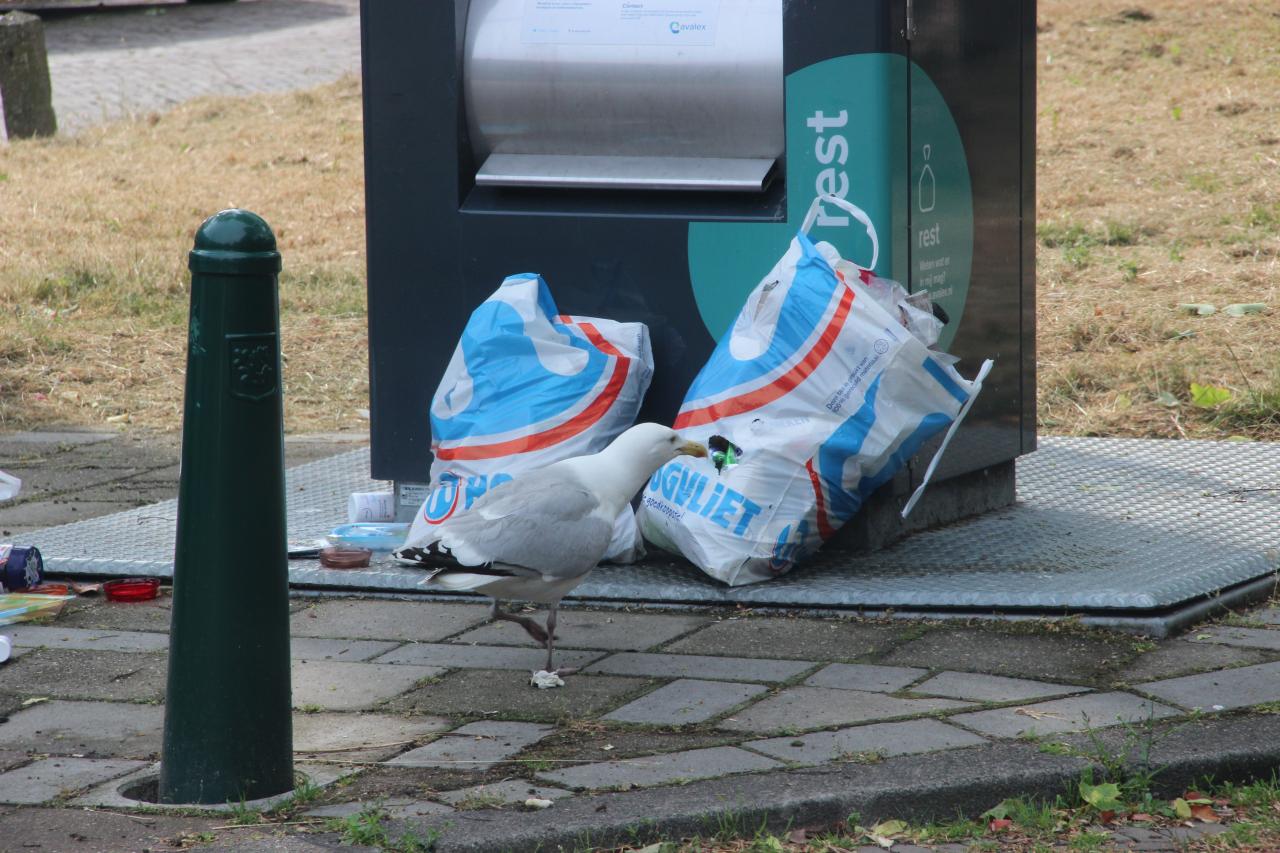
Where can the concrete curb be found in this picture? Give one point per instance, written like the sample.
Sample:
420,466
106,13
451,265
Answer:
919,788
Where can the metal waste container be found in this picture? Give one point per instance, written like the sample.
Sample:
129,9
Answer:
652,159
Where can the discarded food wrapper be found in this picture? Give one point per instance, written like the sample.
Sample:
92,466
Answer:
305,550
544,680
21,567
538,803
371,506
6,648
131,589
23,607
374,536
9,486
345,557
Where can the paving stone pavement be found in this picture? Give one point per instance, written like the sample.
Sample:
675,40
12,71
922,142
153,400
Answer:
409,689
126,62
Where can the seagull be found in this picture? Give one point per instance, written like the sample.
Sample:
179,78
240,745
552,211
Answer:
537,537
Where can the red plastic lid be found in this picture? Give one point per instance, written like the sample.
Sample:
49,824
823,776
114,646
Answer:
132,589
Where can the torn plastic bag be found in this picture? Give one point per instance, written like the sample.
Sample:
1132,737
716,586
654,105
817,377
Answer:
528,386
824,395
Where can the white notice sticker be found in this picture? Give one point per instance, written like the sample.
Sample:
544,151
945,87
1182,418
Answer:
621,22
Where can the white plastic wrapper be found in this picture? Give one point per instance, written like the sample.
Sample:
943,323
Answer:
526,387
9,486
825,387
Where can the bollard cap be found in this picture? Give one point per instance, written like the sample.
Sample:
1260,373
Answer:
235,242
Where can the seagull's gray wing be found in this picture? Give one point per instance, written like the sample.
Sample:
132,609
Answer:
542,521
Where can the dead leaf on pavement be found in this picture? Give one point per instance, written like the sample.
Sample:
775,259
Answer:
1205,813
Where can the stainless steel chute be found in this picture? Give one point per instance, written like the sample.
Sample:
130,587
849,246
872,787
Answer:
628,106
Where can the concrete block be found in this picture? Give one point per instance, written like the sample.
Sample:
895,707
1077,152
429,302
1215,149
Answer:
885,739
503,693
857,676
1075,714
396,808
458,656
1018,655
1182,657
510,792
58,637
360,737
79,674
594,629
685,701
800,638
111,794
86,728
1230,635
385,620
477,746
338,686
47,778
701,666
26,96
804,708
1225,689
314,648
666,769
991,688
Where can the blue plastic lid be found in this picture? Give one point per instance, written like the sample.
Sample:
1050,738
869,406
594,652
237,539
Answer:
376,537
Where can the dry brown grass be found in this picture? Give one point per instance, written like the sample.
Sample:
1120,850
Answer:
1159,184
96,230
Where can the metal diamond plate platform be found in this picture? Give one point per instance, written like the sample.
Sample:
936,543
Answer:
1115,528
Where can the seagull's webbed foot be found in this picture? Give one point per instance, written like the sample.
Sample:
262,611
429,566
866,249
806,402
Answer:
534,630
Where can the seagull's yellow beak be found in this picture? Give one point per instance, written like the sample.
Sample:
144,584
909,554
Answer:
693,448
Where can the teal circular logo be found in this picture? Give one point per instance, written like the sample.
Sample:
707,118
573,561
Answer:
849,134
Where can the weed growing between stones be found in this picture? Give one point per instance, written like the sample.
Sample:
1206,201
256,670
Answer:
366,828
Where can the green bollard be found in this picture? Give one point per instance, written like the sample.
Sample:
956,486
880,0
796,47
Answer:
228,733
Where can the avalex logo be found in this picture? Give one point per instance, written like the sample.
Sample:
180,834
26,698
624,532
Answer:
675,27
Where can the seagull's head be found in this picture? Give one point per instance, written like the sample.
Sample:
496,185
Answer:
653,445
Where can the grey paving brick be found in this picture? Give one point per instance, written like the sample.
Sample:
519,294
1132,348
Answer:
1230,635
11,758
396,808
99,639
886,739
339,686
475,692
314,648
1173,658
477,746
360,737
661,769
593,629
48,778
385,620
803,708
512,791
1269,615
459,656
1073,714
1229,688
1016,654
56,438
685,701
803,638
80,674
701,666
861,676
88,728
992,688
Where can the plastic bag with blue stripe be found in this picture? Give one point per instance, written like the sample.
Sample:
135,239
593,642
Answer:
823,390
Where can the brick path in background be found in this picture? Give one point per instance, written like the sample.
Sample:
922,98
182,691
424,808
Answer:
112,63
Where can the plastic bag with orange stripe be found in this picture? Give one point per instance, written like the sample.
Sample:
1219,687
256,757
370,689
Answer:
825,388
528,386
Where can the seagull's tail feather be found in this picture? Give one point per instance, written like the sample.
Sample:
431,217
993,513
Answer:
432,554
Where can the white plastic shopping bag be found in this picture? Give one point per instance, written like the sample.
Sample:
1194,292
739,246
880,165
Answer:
528,386
821,392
